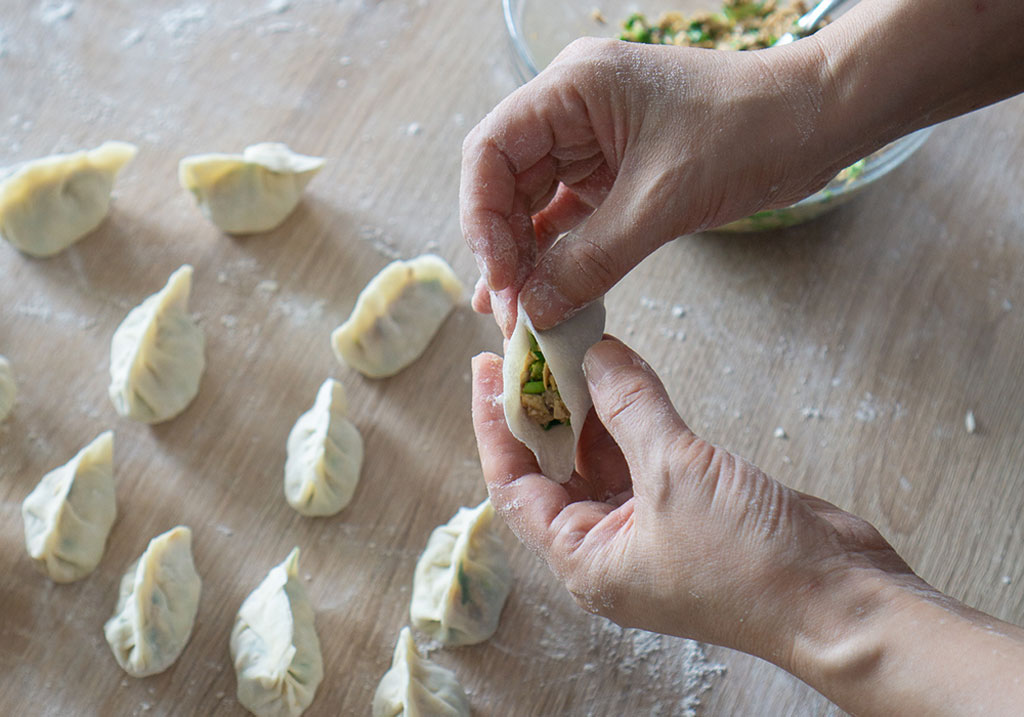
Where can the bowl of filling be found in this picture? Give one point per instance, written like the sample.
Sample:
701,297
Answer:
539,29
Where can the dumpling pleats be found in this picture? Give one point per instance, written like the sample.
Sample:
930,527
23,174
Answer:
156,606
68,516
274,645
462,579
325,455
397,315
417,687
156,355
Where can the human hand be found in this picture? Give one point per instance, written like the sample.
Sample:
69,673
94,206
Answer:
661,530
626,146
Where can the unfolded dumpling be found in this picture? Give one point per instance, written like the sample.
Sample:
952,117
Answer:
546,398
156,355
417,687
325,455
8,388
274,645
462,579
48,204
396,316
156,605
250,192
69,514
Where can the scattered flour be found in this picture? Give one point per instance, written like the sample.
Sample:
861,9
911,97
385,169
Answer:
970,423
413,128
780,433
867,411
267,286
133,37
52,12
809,413
278,6
905,485
175,21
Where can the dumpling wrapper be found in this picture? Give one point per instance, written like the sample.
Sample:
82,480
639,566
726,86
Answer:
396,316
69,514
462,579
250,192
156,355
417,687
48,204
8,388
274,645
564,347
156,606
325,455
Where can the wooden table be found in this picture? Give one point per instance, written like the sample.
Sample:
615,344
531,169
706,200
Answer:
893,317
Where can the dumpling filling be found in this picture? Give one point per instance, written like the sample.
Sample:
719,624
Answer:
539,392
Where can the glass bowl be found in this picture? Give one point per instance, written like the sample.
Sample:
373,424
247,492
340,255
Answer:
539,29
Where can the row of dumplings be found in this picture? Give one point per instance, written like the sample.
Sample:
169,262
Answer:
460,585
48,204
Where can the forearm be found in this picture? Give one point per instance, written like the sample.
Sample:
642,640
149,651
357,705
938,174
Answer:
884,646
894,66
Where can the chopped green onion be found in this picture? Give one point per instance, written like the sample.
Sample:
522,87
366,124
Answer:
537,371
533,387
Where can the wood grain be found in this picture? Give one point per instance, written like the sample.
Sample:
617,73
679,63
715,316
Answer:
892,316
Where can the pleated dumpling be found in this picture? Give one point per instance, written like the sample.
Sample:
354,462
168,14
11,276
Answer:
545,392
325,455
8,388
69,514
250,192
416,687
462,579
396,316
48,204
156,355
274,645
156,605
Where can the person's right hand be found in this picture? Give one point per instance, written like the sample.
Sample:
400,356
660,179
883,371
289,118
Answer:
627,146
662,530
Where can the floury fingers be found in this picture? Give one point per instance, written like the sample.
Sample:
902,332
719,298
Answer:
545,392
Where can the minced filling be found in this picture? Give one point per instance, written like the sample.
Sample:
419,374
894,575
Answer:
539,392
741,25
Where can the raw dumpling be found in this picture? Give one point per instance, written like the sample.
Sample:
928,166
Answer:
156,355
462,579
69,514
48,204
547,416
249,192
397,315
274,645
416,687
156,606
8,388
325,455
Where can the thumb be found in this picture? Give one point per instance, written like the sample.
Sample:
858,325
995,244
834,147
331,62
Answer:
631,401
591,258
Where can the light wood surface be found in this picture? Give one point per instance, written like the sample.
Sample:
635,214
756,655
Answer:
893,316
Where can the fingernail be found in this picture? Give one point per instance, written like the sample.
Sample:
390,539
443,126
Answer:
545,304
602,358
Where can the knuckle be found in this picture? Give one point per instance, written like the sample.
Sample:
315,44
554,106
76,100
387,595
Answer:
626,389
596,267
